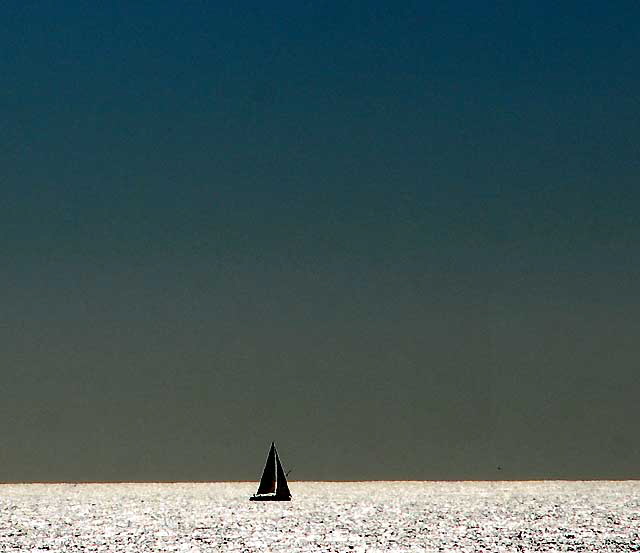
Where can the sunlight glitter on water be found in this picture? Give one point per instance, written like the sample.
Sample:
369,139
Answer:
344,517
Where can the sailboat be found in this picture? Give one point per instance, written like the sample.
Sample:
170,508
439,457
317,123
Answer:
273,484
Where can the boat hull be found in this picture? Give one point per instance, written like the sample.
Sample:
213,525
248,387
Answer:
268,498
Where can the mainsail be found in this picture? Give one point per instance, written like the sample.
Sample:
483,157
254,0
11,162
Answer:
283,488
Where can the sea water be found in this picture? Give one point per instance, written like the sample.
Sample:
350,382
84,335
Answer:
342,517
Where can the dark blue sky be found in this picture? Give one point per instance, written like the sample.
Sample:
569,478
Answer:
401,240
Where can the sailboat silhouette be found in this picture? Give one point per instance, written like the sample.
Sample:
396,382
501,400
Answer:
273,484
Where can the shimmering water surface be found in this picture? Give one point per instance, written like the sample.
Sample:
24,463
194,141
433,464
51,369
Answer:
345,517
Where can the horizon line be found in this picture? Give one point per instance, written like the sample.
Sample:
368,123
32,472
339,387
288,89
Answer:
347,481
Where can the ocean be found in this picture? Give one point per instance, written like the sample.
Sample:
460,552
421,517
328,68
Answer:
323,517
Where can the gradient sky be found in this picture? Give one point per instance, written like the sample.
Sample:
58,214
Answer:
401,239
